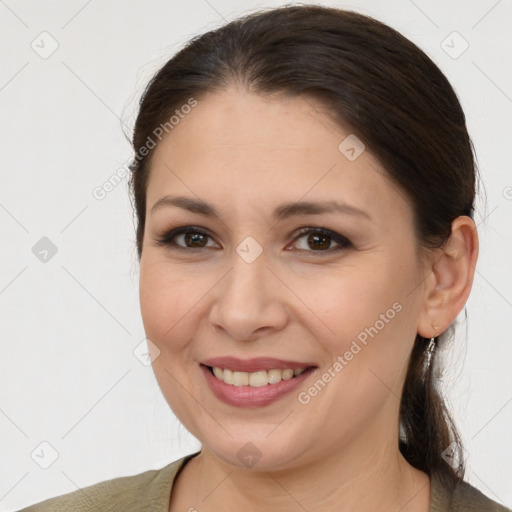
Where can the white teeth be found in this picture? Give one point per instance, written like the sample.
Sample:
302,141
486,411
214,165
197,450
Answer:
255,379
258,379
218,373
274,376
240,378
228,376
287,374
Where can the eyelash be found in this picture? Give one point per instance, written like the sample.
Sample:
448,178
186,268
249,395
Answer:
166,239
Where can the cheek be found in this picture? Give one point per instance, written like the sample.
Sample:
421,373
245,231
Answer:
345,303
367,348
366,316
166,303
165,299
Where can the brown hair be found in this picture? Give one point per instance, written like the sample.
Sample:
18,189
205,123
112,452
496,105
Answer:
393,97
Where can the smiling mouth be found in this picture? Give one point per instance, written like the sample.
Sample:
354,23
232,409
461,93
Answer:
258,378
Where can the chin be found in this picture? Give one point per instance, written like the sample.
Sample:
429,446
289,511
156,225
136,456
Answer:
256,453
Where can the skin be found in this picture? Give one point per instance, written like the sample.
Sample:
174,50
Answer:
246,155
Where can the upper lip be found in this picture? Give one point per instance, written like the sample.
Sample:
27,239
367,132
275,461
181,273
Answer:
253,365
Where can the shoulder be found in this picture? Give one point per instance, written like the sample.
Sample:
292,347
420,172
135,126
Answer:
148,491
461,497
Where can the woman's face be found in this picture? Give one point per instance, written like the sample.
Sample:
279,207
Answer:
252,285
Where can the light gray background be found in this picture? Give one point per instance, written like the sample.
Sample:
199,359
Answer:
68,374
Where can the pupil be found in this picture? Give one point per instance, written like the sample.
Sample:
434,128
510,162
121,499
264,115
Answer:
193,238
316,238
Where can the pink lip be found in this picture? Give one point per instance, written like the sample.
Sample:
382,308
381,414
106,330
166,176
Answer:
248,396
254,365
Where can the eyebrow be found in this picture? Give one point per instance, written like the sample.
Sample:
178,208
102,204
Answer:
282,212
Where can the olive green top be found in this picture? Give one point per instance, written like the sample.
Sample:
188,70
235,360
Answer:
150,491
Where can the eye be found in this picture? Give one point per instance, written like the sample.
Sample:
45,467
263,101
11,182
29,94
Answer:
191,237
320,239
316,239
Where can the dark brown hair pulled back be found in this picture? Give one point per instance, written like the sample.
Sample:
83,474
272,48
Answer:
392,96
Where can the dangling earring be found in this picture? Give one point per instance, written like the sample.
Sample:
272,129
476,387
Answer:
430,349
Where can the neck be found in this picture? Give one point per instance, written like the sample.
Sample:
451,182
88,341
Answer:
365,477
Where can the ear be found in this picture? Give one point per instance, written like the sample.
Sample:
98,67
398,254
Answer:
449,277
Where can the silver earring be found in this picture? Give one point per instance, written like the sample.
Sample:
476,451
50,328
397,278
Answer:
431,347
430,350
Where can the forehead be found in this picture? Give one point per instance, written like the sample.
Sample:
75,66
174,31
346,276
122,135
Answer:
235,145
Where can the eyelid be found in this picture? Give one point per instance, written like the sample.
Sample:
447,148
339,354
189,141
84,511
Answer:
168,236
166,239
343,242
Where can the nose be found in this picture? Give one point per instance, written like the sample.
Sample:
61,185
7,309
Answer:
248,301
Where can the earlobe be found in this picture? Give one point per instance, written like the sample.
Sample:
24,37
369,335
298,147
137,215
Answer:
451,277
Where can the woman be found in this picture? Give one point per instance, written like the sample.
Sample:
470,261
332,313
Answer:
304,186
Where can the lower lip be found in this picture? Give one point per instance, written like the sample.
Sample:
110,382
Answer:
249,396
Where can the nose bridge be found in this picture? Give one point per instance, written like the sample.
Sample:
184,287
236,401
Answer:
247,301
246,283
248,262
